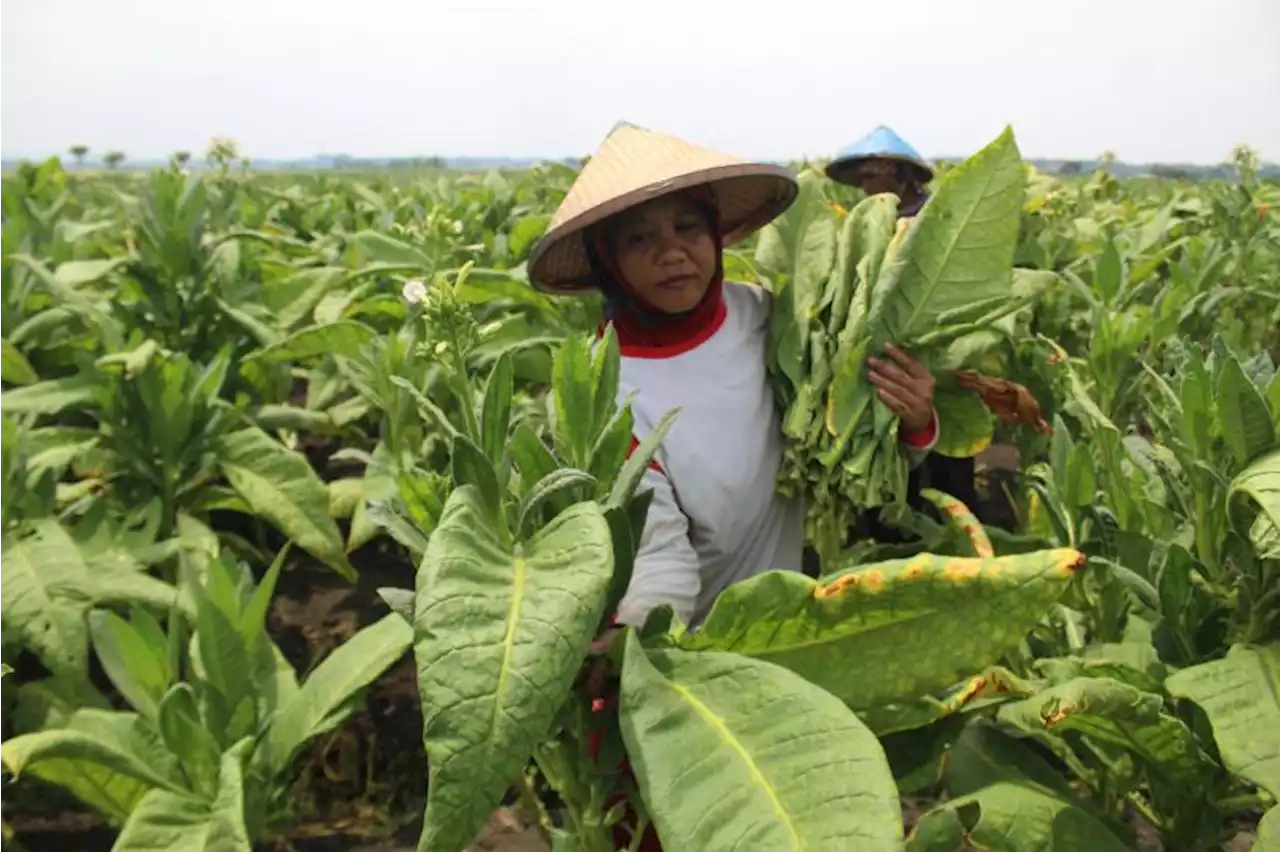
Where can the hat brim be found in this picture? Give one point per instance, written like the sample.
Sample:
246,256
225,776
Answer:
748,197
844,170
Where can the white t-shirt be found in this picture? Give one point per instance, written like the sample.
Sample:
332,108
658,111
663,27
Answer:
715,518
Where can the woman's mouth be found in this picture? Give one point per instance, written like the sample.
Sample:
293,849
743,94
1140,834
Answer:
677,282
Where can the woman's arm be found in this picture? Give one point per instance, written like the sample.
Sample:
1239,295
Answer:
666,565
906,386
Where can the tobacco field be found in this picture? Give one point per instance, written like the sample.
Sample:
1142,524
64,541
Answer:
312,506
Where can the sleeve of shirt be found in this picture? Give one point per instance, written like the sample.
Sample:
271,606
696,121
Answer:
918,445
666,565
755,300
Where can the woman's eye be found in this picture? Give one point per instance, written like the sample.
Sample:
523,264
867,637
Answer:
636,238
689,225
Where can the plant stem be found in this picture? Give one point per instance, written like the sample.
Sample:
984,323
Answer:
1140,805
533,805
462,388
1239,804
642,825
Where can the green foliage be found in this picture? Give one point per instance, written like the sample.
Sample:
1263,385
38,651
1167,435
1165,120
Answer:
195,363
202,760
921,284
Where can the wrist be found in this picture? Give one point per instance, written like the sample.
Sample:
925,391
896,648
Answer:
921,436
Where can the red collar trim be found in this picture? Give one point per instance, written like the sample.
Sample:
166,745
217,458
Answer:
689,335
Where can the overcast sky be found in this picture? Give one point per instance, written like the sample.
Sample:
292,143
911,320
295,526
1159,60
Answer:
1170,80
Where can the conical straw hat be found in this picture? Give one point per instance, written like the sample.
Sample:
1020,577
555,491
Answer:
880,144
634,165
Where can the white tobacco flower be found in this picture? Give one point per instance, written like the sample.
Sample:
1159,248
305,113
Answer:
414,292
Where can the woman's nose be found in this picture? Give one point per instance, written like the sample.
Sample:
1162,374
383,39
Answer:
670,246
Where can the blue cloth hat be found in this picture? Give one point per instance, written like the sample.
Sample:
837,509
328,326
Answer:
880,144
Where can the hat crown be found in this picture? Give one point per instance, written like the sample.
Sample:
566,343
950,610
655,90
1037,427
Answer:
634,165
881,142
634,158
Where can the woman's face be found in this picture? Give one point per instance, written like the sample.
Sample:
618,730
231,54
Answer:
666,252
876,176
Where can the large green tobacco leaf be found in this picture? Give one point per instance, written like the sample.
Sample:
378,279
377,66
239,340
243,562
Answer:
893,631
1135,663
49,397
1273,399
471,467
958,250
64,281
499,635
1011,817
941,830
120,743
185,735
50,702
326,697
55,447
799,246
280,485
49,584
345,337
252,325
864,241
984,754
1259,482
573,402
525,232
1269,831
226,671
786,243
495,417
60,703
1116,714
493,285
1242,414
136,666
14,367
382,249
965,426
181,823
1241,696
50,624
734,753
296,297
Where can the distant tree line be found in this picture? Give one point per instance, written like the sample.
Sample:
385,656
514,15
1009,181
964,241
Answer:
1167,171
345,161
225,152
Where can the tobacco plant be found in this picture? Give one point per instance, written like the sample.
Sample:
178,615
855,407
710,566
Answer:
157,427
202,759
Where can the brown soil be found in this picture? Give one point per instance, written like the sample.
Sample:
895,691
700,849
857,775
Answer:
996,472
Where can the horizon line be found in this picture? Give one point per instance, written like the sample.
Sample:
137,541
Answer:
196,161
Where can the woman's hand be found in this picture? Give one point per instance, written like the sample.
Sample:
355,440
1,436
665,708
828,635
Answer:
905,387
595,669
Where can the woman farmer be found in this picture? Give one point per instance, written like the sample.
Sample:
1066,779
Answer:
645,224
880,162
